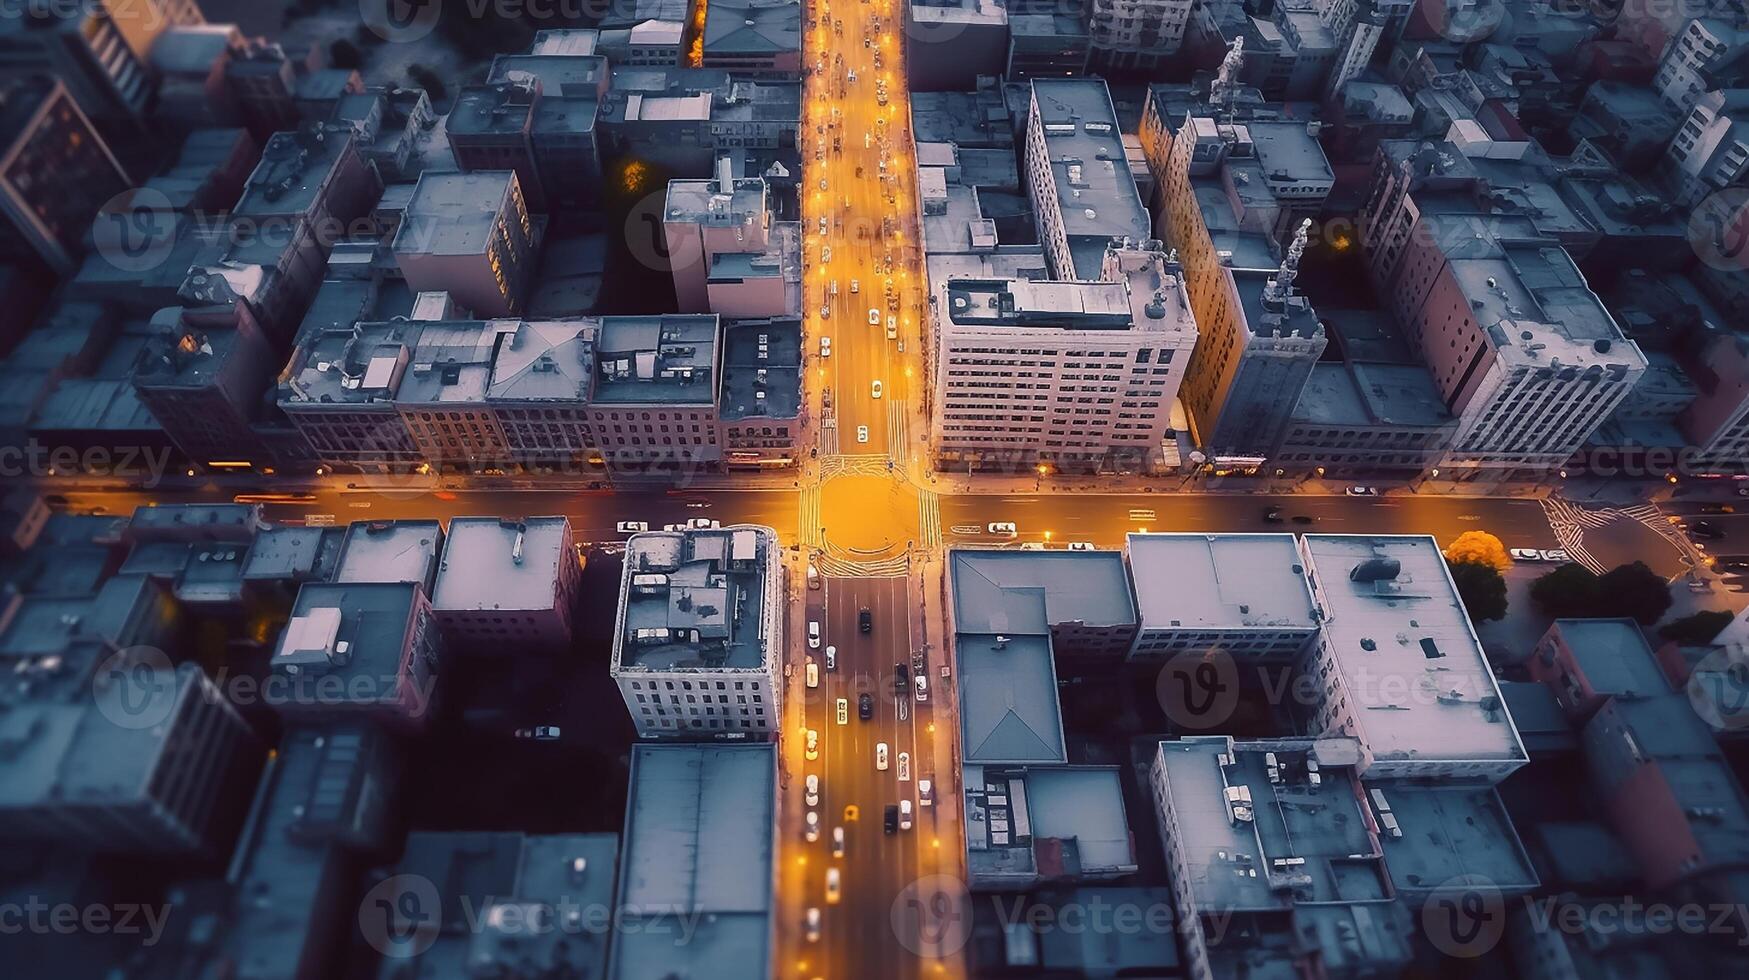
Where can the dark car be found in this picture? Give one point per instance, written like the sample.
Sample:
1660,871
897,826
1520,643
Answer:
1272,515
1304,519
891,823
865,621
1703,529
1717,509
1735,563
901,679
865,706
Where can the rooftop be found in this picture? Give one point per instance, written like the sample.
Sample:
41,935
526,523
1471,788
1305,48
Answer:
749,27
762,364
1047,822
644,360
696,599
455,213
390,551
1353,394
743,202
1221,581
1028,592
357,633
496,563
293,172
698,845
1452,834
1095,191
1410,661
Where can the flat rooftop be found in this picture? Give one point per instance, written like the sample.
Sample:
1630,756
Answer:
1028,592
1410,661
293,172
454,213
356,632
1095,190
496,563
390,551
698,847
762,364
1050,822
647,360
1221,582
1355,394
709,202
695,599
1452,834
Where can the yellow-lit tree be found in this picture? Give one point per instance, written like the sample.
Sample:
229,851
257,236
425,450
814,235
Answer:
1479,548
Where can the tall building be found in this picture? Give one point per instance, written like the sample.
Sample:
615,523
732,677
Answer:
202,376
707,220
469,235
698,645
1706,53
1710,150
1076,374
536,114
762,393
1136,35
949,43
505,586
1246,595
56,174
657,392
1077,176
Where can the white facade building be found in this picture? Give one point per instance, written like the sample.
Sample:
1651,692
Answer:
505,586
1710,150
1136,34
1703,44
698,647
1244,594
1078,176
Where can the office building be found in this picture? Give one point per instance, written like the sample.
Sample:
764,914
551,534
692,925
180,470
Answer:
685,118
657,393
1710,150
949,43
1136,35
698,845
359,652
1705,53
698,646
1047,44
339,388
202,376
536,114
704,224
1246,595
1365,420
505,586
762,393
1080,375
1398,666
469,235
1028,826
56,175
402,552
1077,176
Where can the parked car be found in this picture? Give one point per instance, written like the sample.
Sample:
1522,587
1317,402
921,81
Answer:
813,673
1081,546
539,733
922,683
813,577
813,634
1358,491
1006,529
632,527
925,791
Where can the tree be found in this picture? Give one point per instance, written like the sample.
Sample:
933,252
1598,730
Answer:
1568,592
1698,629
1635,591
1481,548
1482,588
344,54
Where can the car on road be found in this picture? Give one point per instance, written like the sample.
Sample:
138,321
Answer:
813,789
831,657
892,327
1272,515
811,922
813,577
874,388
825,254
855,286
925,791
837,842
881,756
1359,491
1717,509
703,524
921,681
864,706
1735,563
813,674
1697,585
865,621
843,711
901,679
1006,529
811,827
1033,546
631,527
904,814
1534,555
825,346
1304,519
1708,530
813,634
874,317
813,745
539,733
890,823
904,767
862,433
832,886
826,312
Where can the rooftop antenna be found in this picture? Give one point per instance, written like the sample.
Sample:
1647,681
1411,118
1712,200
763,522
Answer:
1281,287
1226,82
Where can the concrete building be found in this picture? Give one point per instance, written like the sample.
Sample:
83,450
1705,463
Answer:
202,377
390,551
1705,53
698,844
505,586
685,118
469,235
117,753
1398,665
657,393
358,652
1629,121
541,378
1136,35
1246,595
537,114
397,131
762,413
56,175
1717,421
1710,150
1048,44
1032,826
1077,177
949,43
1366,420
698,645
190,63
1080,375
706,221
339,388
758,38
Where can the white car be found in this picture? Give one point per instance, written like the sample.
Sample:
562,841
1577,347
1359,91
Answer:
874,317
813,786
837,842
813,745
632,527
831,657
811,827
832,890
904,767
812,923
922,683
862,433
823,225
843,711
892,327
825,346
881,756
925,792
904,814
813,577
813,634
1361,491
1004,528
813,674
855,286
874,389
850,75
825,254
826,312
703,524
